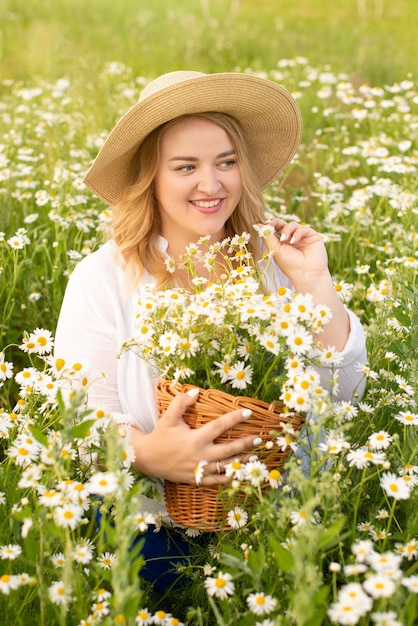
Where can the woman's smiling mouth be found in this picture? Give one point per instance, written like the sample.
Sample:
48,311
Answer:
208,206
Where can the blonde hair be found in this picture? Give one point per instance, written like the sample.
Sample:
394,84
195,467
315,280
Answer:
136,221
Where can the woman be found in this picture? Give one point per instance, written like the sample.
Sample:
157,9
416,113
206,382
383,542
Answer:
189,159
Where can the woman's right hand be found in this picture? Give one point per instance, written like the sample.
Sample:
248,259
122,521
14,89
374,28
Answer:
173,450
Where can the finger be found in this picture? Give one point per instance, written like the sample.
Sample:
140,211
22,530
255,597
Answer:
211,480
218,426
179,405
235,448
276,222
219,467
284,231
291,232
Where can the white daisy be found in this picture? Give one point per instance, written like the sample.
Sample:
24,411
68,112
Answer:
384,561
264,230
380,440
83,552
8,582
103,483
99,609
270,342
385,618
345,612
240,375
395,486
362,549
59,593
410,549
161,617
40,341
379,586
68,515
58,559
255,472
409,419
222,370
355,569
168,342
143,520
354,592
10,552
299,340
143,617
220,586
260,604
237,517
199,471
49,497
236,469
411,583
299,518
363,457
6,368
275,478
106,560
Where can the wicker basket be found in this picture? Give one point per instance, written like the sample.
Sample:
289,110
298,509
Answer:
205,508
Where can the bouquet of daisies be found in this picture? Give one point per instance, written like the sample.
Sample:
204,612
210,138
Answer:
229,332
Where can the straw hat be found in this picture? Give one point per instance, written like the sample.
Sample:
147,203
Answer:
267,113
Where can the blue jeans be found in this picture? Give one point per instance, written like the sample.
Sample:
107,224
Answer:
163,551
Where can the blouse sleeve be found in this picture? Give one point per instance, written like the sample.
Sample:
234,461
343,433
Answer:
348,373
87,331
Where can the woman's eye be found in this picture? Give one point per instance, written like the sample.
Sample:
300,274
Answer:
186,168
228,164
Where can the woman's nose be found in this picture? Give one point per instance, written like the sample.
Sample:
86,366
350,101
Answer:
209,182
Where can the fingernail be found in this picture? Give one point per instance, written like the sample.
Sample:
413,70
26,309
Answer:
283,236
292,240
193,392
257,441
247,413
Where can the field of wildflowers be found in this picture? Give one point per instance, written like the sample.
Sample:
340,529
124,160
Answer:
337,544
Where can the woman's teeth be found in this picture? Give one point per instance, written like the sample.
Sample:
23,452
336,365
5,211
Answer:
206,204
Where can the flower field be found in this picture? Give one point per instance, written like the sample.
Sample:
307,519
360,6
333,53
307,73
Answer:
335,539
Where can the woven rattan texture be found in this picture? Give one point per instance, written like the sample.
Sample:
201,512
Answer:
205,508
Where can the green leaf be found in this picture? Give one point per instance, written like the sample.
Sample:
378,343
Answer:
39,435
401,316
256,560
331,535
283,557
80,430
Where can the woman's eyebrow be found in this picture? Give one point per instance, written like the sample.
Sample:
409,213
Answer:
192,158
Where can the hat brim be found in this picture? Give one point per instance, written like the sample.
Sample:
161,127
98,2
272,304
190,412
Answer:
267,112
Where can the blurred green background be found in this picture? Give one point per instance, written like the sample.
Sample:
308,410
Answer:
373,41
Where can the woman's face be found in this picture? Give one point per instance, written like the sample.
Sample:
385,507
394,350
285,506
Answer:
198,182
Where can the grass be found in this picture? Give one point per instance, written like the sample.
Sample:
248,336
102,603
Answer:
373,38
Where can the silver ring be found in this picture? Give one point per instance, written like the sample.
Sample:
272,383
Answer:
218,467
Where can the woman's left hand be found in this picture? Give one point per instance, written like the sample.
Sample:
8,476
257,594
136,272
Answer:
300,253
298,250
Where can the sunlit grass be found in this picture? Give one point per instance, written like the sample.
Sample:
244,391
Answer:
372,39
